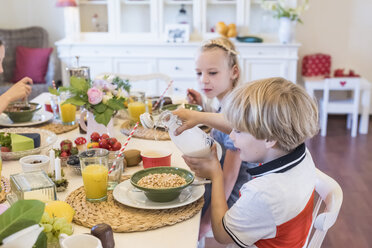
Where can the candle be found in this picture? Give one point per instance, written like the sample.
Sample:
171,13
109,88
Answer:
57,169
52,156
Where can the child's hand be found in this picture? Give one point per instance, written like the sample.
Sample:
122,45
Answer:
194,97
20,90
188,117
207,167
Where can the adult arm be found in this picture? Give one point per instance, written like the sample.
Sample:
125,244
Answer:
20,90
191,118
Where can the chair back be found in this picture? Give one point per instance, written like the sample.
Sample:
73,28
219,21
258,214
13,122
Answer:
349,106
152,84
330,193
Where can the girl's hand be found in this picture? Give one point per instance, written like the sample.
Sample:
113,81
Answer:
207,167
20,90
189,119
194,97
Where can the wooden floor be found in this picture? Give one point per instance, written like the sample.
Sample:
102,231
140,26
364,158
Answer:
349,161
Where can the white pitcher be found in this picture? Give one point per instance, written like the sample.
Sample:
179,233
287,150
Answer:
93,126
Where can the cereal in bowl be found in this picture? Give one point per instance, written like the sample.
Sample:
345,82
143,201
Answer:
161,181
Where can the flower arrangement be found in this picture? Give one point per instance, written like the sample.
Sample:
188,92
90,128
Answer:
103,97
283,8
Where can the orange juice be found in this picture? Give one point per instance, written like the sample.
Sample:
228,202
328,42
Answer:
68,112
95,181
135,109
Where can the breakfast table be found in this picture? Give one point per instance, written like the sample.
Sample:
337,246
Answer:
182,234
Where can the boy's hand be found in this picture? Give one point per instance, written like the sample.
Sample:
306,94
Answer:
189,119
208,167
194,97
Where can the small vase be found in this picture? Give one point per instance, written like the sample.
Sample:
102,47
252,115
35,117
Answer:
286,30
93,126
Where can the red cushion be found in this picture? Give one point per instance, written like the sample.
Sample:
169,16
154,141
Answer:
31,62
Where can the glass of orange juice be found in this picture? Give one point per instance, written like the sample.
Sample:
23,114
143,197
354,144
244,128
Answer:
94,169
67,111
137,105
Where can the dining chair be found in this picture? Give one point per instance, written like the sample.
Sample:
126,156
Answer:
348,106
330,193
152,84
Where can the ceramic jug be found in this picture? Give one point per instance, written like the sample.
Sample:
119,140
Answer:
93,126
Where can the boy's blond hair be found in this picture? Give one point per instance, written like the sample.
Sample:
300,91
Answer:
273,109
227,46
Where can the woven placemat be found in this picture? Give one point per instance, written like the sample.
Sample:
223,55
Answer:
58,128
127,219
151,134
5,189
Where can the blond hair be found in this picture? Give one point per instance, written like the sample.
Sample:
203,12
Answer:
230,50
273,109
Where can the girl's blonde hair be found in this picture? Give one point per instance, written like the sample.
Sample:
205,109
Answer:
231,53
273,109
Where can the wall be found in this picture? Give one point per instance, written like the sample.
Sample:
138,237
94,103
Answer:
26,13
342,29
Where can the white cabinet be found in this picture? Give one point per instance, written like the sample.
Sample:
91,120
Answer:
147,19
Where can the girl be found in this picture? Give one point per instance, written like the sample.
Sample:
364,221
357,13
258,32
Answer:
218,73
20,90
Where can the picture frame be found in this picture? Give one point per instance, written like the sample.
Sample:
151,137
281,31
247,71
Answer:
177,33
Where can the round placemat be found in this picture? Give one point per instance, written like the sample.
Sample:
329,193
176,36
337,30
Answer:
5,189
151,134
126,219
58,128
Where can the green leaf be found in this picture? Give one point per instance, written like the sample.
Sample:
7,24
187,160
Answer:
79,84
53,91
105,117
22,214
41,241
75,100
115,104
100,107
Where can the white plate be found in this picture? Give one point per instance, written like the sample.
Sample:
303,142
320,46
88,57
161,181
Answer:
40,116
127,194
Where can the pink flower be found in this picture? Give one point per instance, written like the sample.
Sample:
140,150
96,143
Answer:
94,95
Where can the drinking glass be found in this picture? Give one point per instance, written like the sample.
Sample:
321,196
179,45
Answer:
137,105
94,169
116,166
54,105
67,111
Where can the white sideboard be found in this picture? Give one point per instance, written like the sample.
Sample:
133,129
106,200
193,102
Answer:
257,60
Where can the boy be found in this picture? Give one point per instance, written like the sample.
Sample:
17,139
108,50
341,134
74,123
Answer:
271,119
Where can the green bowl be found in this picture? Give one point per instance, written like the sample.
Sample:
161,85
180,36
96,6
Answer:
162,195
172,107
22,115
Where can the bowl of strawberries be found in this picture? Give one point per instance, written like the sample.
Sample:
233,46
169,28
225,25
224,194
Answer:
103,141
66,150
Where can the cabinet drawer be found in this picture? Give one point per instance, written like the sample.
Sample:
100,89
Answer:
177,67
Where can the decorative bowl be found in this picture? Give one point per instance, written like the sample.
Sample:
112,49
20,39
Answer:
165,194
172,107
22,115
47,139
153,158
34,163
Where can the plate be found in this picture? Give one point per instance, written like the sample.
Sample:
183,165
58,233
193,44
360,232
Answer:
39,117
127,194
47,139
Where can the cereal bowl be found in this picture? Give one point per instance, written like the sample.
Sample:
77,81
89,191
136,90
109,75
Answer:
165,194
18,112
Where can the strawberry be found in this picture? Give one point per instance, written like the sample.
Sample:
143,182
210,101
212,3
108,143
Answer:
64,154
112,141
104,143
105,136
66,145
116,146
94,137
